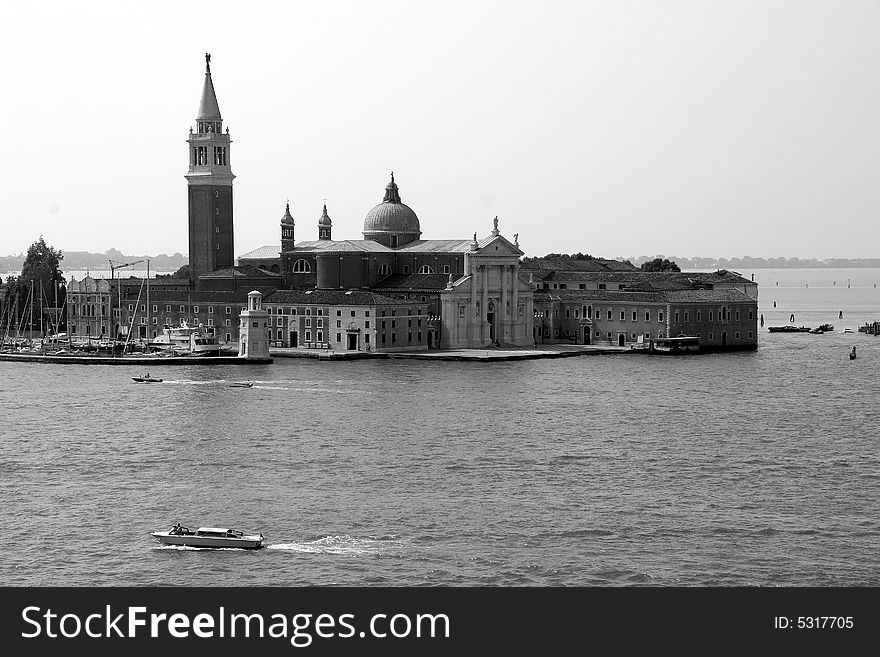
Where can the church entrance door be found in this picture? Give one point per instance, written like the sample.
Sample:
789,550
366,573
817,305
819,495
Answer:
353,341
490,317
294,339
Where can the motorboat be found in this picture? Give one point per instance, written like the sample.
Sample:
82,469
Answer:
146,378
847,330
188,340
789,329
241,384
209,537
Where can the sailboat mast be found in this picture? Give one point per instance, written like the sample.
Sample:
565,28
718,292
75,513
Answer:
149,308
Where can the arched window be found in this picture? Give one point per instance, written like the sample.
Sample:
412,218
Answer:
384,269
426,269
302,267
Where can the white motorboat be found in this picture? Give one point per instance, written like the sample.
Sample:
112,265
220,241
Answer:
186,339
209,537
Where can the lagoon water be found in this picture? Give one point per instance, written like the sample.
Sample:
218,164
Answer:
758,468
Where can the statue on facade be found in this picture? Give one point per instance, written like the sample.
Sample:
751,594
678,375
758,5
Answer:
495,222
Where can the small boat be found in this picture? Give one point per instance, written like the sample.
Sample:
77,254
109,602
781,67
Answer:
789,329
209,537
146,378
241,384
847,330
826,327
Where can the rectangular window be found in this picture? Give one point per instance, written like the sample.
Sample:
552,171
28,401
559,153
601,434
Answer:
210,322
659,315
685,316
582,286
366,313
308,321
320,312
339,337
635,313
567,313
339,313
279,321
737,315
210,310
610,315
622,315
308,311
338,323
699,315
228,322
319,323
352,313
393,337
711,336
751,316
168,308
367,324
647,315
130,307
195,309
183,309
155,308
308,336
409,336
676,316
577,313
228,310
366,338
446,269
736,335
320,336
750,335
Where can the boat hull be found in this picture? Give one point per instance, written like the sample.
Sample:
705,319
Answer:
191,540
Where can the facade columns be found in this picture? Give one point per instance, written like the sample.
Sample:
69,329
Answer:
505,309
514,305
484,312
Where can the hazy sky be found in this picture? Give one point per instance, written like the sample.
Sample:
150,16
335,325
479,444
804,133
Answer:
617,128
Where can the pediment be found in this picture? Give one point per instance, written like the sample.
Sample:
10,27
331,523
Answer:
498,245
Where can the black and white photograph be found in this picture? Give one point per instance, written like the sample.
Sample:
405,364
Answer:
384,298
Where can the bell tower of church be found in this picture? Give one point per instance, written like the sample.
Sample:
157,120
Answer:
209,182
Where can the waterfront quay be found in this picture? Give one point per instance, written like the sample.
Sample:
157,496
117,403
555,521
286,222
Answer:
507,352
134,360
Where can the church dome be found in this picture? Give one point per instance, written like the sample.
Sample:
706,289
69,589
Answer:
391,216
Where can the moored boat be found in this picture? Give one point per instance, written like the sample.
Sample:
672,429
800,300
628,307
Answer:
209,537
789,329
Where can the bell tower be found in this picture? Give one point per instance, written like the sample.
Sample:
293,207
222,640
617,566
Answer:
287,227
209,182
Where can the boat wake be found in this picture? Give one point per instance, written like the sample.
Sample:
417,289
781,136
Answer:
346,545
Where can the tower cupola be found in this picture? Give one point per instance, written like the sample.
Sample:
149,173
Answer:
325,226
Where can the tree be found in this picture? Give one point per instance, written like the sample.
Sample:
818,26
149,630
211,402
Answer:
40,277
660,265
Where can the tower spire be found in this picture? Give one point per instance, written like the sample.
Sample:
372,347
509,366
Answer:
208,107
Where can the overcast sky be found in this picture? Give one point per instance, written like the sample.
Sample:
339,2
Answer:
616,128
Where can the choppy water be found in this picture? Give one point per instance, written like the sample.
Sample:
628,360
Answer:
756,468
